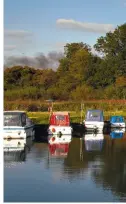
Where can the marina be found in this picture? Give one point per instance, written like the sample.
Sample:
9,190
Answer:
64,101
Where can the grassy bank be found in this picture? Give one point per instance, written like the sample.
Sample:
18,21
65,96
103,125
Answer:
38,110
43,117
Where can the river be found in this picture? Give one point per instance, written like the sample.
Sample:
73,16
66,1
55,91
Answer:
81,169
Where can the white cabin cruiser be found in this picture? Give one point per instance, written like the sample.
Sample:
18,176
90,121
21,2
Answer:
17,125
94,120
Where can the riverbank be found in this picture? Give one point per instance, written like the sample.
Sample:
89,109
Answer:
43,117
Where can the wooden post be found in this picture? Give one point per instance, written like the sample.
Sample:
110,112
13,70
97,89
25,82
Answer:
82,107
50,108
81,114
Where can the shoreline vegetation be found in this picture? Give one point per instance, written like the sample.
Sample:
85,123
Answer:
38,110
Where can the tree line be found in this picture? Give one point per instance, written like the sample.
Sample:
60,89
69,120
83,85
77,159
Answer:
81,75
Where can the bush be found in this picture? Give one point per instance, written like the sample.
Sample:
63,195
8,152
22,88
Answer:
38,105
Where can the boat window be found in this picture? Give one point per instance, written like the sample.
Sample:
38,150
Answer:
12,120
118,120
60,117
93,117
23,119
28,121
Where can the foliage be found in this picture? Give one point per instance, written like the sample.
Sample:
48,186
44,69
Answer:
81,75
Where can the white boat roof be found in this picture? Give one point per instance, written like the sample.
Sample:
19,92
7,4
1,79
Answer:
60,113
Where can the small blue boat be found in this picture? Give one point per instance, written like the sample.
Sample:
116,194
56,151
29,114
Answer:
117,121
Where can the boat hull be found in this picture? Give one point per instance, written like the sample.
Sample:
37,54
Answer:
93,125
18,132
63,130
118,125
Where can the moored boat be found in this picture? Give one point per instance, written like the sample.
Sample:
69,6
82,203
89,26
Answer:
117,121
94,120
18,125
60,124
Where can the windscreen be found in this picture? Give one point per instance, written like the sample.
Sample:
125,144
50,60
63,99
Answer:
117,119
57,120
60,120
12,120
93,116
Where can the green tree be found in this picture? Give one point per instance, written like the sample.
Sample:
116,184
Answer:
70,49
113,47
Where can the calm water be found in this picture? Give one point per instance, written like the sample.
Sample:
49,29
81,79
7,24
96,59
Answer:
91,168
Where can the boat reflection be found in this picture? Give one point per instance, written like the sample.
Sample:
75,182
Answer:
15,150
59,145
93,141
117,133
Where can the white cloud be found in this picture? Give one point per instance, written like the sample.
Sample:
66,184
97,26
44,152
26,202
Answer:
17,33
83,26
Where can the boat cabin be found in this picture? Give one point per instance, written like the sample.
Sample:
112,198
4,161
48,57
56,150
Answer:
94,115
60,119
16,118
117,119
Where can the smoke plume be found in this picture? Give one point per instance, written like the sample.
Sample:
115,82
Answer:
40,61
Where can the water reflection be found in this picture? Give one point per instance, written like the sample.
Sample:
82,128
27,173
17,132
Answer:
112,175
59,145
101,157
117,132
15,150
95,161
93,141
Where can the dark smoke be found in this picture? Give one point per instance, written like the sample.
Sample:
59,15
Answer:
40,61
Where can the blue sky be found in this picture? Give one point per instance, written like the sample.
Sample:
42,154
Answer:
47,25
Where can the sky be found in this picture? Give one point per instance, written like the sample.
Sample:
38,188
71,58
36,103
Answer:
42,26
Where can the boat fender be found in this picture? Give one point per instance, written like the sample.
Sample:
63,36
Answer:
59,133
